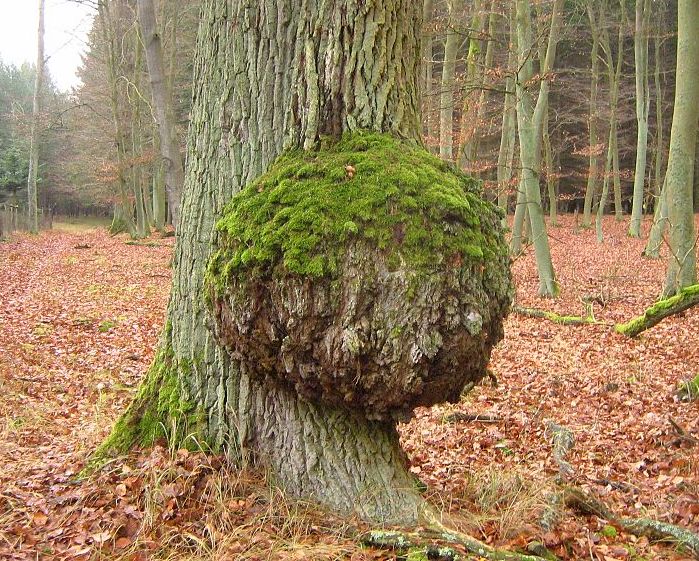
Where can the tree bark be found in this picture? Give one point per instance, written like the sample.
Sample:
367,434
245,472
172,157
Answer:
530,119
162,102
642,106
508,132
32,191
123,219
446,104
593,170
266,78
682,265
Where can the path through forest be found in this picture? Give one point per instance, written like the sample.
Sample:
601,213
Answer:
80,314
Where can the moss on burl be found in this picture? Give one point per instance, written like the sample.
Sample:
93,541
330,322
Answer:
416,208
367,274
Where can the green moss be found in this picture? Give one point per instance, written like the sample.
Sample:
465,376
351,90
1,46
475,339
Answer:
609,531
689,390
159,410
395,195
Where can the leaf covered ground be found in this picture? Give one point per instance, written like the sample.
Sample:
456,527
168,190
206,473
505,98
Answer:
80,314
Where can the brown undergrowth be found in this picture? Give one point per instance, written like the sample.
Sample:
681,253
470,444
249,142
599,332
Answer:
78,327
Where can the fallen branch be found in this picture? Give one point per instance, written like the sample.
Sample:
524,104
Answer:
556,318
426,542
585,503
682,301
457,416
143,244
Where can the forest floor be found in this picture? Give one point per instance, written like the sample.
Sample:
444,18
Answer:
80,314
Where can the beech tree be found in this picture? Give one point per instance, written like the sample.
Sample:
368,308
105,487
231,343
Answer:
162,102
682,268
530,119
642,108
314,395
36,114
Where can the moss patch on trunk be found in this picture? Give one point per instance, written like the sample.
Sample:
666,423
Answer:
374,187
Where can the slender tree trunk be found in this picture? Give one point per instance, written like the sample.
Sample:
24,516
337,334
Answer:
162,102
32,190
508,132
593,170
529,123
123,219
550,179
266,78
682,265
137,175
446,105
477,65
427,68
614,77
659,133
642,106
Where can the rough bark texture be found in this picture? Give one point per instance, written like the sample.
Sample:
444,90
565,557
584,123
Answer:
268,75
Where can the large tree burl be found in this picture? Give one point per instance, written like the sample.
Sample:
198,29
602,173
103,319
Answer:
367,274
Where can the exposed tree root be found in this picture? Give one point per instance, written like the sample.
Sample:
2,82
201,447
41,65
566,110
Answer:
423,545
682,301
585,503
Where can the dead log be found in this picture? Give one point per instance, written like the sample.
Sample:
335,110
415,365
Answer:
667,307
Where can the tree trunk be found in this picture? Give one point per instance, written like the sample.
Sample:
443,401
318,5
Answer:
446,104
427,68
266,79
593,170
137,175
655,238
642,105
162,102
682,265
123,219
507,134
32,191
529,123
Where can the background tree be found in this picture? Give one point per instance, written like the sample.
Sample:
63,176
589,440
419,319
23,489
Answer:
530,120
681,270
642,107
32,207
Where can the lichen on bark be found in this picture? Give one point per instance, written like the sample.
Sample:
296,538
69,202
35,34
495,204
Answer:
365,274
